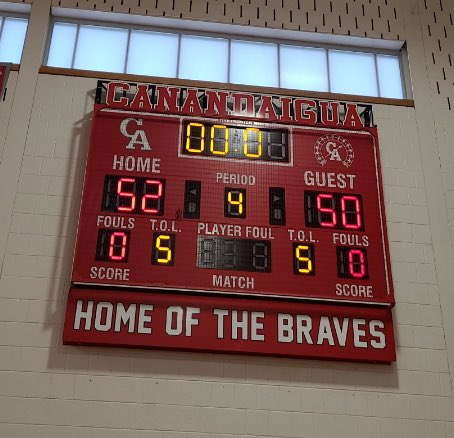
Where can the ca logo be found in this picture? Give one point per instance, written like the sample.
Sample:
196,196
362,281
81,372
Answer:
137,137
334,147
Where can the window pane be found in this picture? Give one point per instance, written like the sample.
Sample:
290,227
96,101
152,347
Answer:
62,45
352,73
101,48
153,54
203,58
304,68
254,63
12,39
389,76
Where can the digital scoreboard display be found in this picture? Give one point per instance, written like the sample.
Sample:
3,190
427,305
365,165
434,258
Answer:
232,203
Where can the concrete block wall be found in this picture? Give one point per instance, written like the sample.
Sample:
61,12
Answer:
377,19
48,390
25,2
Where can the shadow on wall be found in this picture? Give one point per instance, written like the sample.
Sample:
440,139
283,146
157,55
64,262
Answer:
67,213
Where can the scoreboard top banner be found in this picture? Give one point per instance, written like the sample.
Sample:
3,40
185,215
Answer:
239,105
222,207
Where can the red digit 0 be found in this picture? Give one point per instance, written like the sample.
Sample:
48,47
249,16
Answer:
153,196
345,212
328,210
115,245
126,195
353,264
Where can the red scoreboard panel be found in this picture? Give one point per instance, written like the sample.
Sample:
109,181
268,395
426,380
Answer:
4,72
277,199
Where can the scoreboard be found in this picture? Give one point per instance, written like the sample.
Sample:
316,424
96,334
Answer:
238,199
4,72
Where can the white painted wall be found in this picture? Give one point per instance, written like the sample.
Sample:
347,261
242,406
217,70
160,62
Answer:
47,390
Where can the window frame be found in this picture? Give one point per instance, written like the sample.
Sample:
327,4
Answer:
12,14
401,54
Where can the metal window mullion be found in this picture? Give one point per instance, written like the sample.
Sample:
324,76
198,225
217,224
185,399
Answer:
127,52
279,65
229,59
376,75
178,56
328,70
49,41
404,81
1,27
76,41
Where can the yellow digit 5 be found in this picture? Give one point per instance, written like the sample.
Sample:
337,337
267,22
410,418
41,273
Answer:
303,259
162,245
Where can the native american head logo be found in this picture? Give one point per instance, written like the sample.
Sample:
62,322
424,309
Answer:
332,147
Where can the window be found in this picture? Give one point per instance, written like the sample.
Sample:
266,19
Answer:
12,38
304,68
163,46
389,76
62,48
352,73
227,60
100,48
203,58
254,63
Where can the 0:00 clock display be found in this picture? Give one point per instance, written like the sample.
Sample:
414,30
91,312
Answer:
244,143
